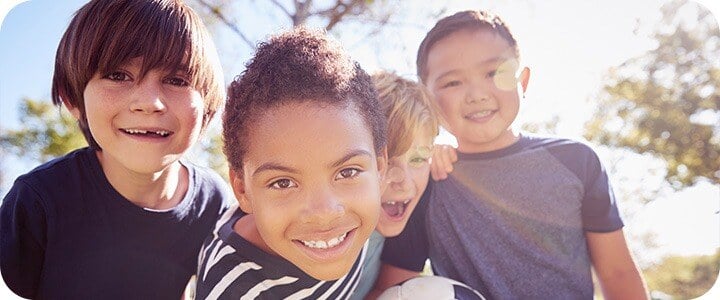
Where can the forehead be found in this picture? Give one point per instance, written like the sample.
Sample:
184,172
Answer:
305,134
467,49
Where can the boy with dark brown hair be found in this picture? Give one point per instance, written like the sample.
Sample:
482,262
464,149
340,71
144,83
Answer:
125,217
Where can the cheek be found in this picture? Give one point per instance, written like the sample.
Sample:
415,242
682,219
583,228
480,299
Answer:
420,178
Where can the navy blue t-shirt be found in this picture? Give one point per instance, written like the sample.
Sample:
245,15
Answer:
511,223
66,233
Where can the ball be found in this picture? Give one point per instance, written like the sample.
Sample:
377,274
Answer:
430,287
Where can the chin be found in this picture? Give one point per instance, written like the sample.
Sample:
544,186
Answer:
391,230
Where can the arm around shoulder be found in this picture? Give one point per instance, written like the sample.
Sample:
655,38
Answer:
614,266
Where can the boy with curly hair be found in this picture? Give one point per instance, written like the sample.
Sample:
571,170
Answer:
305,139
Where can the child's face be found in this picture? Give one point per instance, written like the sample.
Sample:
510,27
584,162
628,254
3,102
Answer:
407,178
471,74
312,180
142,126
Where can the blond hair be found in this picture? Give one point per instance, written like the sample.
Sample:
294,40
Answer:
408,110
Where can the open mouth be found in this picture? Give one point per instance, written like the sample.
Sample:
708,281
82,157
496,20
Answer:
147,133
395,209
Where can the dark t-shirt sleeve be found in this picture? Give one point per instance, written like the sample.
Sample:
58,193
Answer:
599,206
22,239
409,249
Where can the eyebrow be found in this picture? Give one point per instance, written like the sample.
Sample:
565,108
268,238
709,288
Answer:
270,166
352,154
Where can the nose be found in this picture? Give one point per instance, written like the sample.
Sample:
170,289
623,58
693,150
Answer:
323,206
397,177
147,98
477,92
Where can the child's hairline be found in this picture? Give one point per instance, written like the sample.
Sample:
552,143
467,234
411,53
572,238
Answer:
325,101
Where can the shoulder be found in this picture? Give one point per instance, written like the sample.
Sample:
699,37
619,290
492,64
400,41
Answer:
567,150
208,184
59,172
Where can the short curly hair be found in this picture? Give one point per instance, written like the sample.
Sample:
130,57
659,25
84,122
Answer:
295,66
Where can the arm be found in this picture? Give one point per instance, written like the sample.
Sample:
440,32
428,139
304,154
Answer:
614,266
389,276
22,240
443,158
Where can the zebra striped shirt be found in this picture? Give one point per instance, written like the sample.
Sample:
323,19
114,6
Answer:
231,267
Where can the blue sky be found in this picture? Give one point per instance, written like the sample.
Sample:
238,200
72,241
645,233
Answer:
569,45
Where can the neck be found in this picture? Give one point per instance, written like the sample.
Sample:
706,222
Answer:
247,228
506,139
160,190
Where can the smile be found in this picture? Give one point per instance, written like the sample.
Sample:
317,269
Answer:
325,244
479,114
395,208
161,133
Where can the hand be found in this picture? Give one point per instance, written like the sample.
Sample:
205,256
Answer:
443,157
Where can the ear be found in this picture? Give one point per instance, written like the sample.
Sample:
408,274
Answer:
524,79
238,185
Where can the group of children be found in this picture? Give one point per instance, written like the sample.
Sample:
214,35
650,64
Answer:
325,163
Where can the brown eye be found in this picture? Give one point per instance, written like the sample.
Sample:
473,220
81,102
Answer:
347,173
282,184
117,76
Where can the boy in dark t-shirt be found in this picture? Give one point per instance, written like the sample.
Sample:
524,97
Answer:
305,139
125,217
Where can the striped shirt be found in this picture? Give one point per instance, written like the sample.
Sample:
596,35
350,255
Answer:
231,267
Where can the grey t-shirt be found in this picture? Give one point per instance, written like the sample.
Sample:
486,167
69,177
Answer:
510,223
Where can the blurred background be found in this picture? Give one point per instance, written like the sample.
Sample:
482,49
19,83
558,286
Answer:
639,80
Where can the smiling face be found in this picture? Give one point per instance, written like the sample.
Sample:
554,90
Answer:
407,178
312,181
472,74
142,125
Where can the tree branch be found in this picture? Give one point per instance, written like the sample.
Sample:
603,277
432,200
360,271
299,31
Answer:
216,11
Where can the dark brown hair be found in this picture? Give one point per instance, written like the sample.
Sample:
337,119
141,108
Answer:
103,35
299,65
464,20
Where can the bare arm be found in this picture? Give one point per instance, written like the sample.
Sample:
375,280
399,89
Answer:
389,276
614,266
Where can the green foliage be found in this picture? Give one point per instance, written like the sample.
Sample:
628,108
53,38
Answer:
46,133
684,277
656,103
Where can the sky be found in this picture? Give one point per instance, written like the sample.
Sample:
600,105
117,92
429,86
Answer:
569,46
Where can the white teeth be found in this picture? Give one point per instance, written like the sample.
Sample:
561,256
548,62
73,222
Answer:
480,114
325,244
394,202
135,131
162,133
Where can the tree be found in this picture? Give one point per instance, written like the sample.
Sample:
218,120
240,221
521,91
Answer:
667,102
46,132
684,277
300,12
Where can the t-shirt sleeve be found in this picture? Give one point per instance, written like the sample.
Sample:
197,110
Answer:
599,206
409,249
22,239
